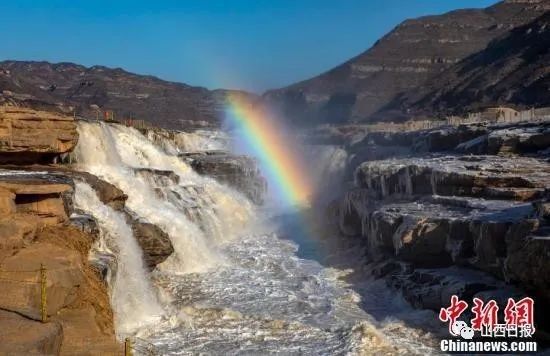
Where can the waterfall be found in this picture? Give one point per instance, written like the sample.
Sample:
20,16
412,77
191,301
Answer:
196,212
180,142
134,302
327,170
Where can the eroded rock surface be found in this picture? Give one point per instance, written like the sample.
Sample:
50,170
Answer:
35,231
154,242
459,210
21,336
239,172
28,136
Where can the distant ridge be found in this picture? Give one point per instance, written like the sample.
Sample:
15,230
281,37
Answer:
514,68
65,85
416,51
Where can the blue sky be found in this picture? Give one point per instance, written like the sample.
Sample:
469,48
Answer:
246,44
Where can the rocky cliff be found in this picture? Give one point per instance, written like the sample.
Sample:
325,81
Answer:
36,230
455,210
28,136
414,52
69,87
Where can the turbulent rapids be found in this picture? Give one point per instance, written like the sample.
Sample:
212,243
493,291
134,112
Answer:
233,285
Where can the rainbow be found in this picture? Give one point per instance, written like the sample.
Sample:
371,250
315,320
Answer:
266,139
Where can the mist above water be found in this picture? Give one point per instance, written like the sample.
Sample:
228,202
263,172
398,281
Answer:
236,283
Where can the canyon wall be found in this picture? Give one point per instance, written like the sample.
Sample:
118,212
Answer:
453,211
36,230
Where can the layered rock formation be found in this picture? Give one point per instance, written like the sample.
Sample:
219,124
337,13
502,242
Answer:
35,232
438,222
414,52
28,136
240,172
512,70
207,153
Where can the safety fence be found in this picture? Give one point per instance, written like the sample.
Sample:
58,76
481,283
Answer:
42,281
132,345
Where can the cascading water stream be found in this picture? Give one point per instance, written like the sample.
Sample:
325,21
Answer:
223,295
124,157
133,299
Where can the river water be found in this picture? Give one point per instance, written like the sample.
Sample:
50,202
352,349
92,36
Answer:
241,280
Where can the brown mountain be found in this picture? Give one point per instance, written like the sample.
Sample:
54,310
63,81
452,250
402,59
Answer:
513,70
67,86
404,59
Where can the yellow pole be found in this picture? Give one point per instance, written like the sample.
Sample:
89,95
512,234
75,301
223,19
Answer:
43,300
127,347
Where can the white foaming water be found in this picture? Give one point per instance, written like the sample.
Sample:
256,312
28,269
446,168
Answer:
250,296
194,211
198,141
267,300
133,299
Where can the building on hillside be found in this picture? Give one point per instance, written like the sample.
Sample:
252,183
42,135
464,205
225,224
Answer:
541,113
499,114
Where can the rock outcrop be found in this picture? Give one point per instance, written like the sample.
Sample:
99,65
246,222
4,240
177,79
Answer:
438,222
35,232
45,197
238,171
21,336
29,136
154,242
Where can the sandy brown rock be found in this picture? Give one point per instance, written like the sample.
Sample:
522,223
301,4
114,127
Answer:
26,187
82,335
77,299
16,231
108,193
92,290
7,202
22,279
30,136
21,336
37,196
